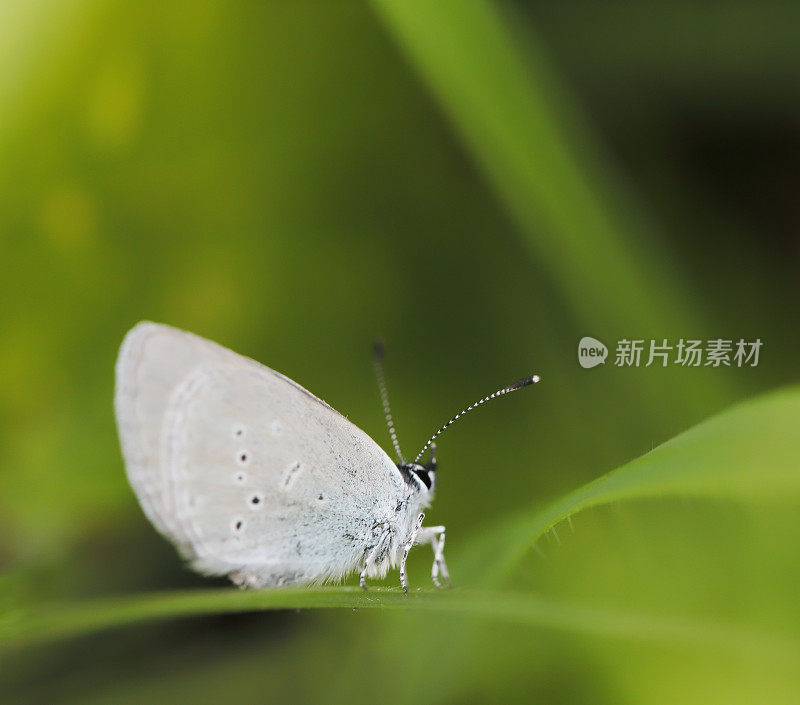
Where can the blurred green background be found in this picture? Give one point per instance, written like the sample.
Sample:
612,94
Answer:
482,184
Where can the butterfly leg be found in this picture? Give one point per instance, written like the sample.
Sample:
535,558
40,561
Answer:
368,559
439,566
244,580
406,549
373,554
435,534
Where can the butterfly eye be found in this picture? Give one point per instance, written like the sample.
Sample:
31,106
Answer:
424,475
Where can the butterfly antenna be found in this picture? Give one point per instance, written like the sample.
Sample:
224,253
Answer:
387,410
519,384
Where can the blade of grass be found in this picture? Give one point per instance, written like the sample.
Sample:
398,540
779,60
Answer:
504,108
58,621
749,453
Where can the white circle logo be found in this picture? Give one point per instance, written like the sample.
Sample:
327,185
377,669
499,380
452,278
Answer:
591,352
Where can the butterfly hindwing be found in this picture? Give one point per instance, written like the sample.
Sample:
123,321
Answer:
153,360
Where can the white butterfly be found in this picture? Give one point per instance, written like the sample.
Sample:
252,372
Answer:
252,476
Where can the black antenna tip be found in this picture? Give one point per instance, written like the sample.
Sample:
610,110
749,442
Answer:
524,382
378,347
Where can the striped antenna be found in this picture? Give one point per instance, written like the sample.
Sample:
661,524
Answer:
519,384
387,411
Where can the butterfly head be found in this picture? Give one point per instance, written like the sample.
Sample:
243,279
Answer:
420,477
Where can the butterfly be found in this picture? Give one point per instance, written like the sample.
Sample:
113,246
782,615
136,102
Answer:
251,476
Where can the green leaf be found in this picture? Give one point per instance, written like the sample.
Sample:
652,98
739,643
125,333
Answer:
748,453
46,623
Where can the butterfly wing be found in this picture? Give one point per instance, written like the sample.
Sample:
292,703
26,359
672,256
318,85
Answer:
153,360
242,468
